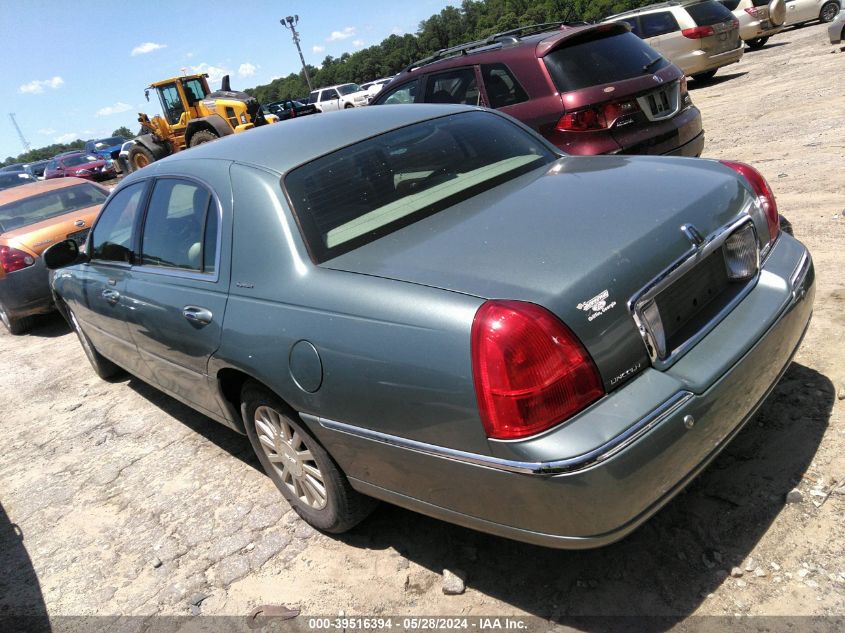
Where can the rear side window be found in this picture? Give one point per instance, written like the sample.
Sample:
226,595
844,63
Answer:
177,231
602,61
455,86
112,240
707,13
501,86
370,189
654,24
328,95
731,5
406,93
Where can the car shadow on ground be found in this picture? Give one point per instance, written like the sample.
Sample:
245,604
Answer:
668,566
695,84
22,605
50,325
230,441
766,46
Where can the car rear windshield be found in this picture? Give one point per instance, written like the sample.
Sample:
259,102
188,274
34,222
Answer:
707,13
367,190
13,179
602,61
49,205
82,159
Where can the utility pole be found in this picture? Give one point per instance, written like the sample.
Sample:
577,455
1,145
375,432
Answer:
26,146
290,22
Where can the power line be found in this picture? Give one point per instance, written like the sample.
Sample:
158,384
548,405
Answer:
26,146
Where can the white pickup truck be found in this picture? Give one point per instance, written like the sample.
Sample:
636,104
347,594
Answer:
338,97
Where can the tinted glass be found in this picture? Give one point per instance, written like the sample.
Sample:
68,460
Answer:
112,239
501,86
602,61
193,88
171,104
377,186
13,179
731,5
312,98
654,24
81,159
49,205
328,95
349,89
707,13
406,93
175,224
455,86
634,24
759,3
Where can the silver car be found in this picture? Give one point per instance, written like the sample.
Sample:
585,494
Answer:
836,29
432,306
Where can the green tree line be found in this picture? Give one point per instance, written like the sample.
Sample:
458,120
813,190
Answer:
474,19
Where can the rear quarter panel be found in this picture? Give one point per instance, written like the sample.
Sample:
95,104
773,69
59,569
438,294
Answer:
394,356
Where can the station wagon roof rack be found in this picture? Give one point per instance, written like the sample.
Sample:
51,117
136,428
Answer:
511,36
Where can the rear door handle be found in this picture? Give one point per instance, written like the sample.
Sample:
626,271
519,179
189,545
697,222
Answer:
197,315
111,296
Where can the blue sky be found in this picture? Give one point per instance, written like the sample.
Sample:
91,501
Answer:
78,69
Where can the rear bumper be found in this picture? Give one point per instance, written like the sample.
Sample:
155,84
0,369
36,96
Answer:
682,135
701,61
598,496
755,29
27,292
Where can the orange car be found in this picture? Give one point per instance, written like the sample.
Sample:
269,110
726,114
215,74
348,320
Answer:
32,217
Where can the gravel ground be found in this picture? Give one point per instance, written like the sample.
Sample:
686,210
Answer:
115,499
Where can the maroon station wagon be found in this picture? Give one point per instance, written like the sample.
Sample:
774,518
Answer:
589,89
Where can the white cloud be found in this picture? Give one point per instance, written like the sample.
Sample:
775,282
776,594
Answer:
146,47
397,30
37,85
114,109
357,43
348,32
67,138
46,131
247,69
189,55
318,49
215,73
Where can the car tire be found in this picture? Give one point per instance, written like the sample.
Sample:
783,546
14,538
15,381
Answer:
302,470
139,157
705,76
757,43
203,136
828,11
103,367
15,326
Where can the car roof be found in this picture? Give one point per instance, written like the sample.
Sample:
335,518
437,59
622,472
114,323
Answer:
281,147
35,188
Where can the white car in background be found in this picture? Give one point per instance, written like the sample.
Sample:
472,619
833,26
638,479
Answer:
800,11
836,30
758,19
374,87
338,97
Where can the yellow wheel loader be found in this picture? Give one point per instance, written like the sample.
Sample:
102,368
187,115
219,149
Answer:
192,115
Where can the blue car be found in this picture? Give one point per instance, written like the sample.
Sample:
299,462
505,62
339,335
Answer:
108,148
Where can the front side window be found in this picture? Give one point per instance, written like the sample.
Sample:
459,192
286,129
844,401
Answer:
660,23
501,86
406,93
112,238
328,95
176,224
455,86
380,185
171,104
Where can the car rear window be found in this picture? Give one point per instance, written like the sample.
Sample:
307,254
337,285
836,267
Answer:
707,13
367,190
602,61
49,205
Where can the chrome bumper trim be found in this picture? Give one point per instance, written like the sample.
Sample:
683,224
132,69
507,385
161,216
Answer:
563,466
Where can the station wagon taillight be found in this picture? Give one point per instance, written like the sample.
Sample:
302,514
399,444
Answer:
596,117
12,259
765,195
530,371
698,32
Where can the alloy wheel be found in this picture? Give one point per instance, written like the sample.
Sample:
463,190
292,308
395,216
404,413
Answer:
290,457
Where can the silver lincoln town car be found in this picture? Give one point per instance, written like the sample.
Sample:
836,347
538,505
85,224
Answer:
432,306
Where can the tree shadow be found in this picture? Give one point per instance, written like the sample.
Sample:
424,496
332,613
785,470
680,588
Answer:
695,84
22,606
665,568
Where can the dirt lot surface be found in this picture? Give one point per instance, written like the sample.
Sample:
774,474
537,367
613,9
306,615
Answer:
124,501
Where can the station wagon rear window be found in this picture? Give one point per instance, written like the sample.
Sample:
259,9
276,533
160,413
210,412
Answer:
602,61
708,13
48,205
367,190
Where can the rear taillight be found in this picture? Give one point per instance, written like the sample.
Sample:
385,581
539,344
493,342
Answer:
765,196
698,32
596,117
530,370
11,259
752,11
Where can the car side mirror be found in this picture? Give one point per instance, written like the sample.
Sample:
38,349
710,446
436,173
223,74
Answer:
63,254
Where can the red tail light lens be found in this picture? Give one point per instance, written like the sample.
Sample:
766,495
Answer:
698,32
595,117
751,11
765,195
11,259
530,370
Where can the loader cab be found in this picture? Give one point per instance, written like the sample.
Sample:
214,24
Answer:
180,95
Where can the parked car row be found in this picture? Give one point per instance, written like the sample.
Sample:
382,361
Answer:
491,289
